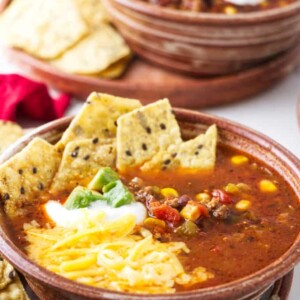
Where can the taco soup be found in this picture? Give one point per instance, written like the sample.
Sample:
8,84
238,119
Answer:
123,202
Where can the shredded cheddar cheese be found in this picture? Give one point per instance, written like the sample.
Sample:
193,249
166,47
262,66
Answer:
112,255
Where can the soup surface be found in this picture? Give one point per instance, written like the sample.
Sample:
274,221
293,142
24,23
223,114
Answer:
222,6
243,210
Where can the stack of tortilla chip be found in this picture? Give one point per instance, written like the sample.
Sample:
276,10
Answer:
72,35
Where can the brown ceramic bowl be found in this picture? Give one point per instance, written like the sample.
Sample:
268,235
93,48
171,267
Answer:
205,43
251,287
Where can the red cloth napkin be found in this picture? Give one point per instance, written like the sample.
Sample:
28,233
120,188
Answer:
22,96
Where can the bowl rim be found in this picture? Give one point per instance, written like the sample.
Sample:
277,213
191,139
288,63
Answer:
263,277
200,17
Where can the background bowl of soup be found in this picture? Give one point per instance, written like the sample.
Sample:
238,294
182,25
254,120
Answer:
206,43
233,137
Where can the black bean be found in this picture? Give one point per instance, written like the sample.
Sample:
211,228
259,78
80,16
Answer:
86,157
144,146
34,170
116,124
200,146
20,171
174,155
183,200
196,153
148,129
128,153
162,126
77,148
95,140
22,190
6,196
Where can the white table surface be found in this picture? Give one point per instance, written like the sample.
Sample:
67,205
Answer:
272,113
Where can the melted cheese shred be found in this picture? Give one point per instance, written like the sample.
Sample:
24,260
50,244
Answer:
112,255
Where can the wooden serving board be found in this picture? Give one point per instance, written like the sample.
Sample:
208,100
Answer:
148,82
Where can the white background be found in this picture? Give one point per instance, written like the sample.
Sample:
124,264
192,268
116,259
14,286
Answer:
273,113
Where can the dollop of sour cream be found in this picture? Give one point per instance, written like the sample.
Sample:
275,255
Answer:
73,217
245,2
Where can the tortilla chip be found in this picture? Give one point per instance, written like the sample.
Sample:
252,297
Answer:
27,174
98,117
14,291
198,153
144,132
93,12
115,70
9,133
81,161
42,28
95,53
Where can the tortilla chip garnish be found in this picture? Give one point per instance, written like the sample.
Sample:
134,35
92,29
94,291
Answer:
9,133
93,12
27,175
98,118
44,29
94,53
198,153
144,132
80,162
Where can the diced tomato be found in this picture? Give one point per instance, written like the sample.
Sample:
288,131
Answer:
166,213
223,196
204,210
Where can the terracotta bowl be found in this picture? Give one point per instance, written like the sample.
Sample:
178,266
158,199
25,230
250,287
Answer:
205,43
251,287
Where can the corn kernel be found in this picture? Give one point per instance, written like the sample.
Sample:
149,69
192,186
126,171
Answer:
167,192
230,10
152,222
267,186
203,197
191,212
243,205
239,159
243,187
231,188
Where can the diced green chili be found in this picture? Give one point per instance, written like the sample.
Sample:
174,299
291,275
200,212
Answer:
187,228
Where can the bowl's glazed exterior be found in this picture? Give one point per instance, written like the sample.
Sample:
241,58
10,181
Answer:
205,43
251,287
